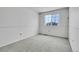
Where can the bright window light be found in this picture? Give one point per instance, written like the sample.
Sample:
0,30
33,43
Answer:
52,19
47,18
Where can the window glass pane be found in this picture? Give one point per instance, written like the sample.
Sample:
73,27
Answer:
47,19
52,19
55,19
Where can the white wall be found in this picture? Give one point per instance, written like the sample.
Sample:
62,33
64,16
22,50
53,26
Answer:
74,28
62,30
17,21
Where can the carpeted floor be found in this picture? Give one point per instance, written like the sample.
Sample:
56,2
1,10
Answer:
39,43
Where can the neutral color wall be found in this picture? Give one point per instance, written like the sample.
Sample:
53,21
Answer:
62,30
74,28
17,24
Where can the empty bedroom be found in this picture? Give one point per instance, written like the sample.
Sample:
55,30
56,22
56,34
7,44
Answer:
39,29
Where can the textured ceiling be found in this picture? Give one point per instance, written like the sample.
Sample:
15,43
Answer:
44,9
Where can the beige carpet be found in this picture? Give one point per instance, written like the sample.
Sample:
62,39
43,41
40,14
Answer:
39,43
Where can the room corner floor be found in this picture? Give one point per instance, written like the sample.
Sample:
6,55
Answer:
39,43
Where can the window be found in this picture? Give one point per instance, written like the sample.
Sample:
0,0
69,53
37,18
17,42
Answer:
55,19
52,20
47,19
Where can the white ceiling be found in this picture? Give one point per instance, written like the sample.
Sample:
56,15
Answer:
44,9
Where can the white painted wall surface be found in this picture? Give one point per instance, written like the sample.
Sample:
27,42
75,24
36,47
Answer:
62,30
74,28
16,21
